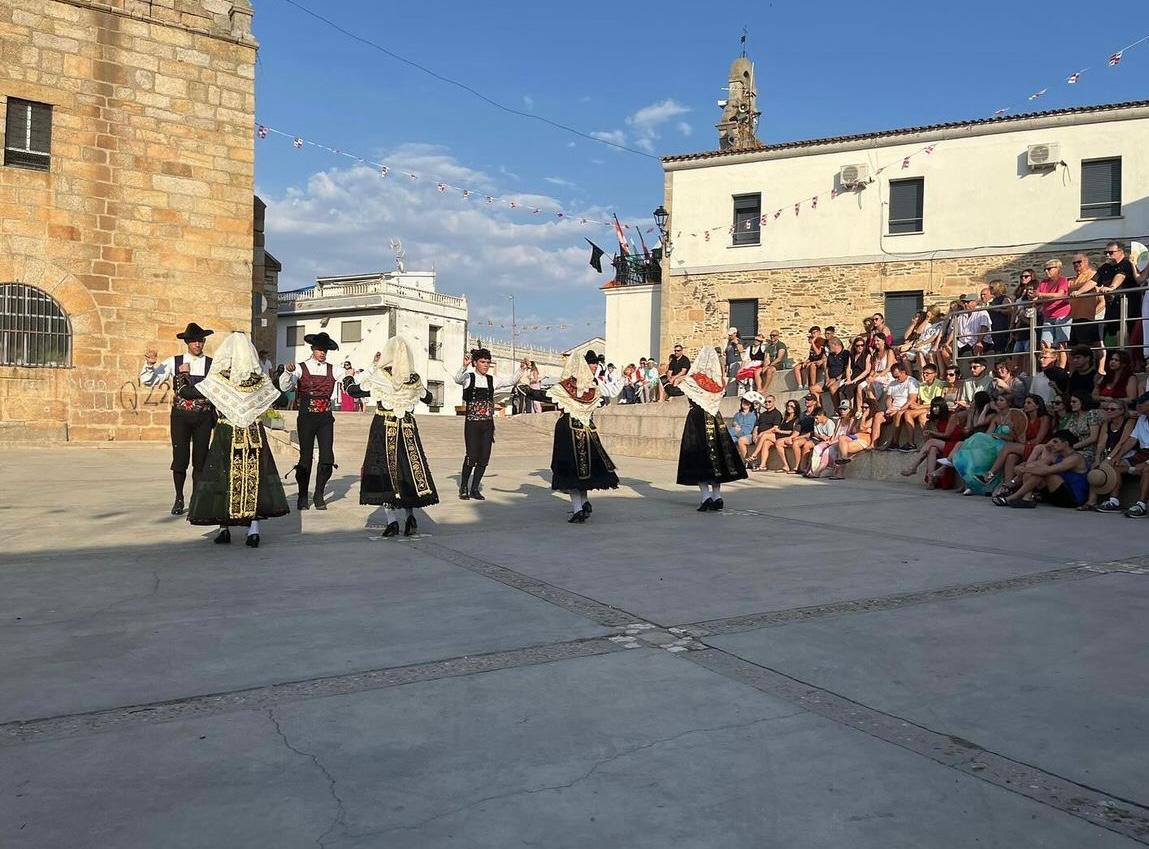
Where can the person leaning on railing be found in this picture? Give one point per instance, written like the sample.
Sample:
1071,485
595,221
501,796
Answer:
1083,309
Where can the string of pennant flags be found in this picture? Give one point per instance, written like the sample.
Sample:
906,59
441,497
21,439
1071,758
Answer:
1073,79
530,328
811,201
442,186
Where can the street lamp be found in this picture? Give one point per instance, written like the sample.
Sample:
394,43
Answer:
661,216
514,332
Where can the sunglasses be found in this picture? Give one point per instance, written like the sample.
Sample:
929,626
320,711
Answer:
1110,253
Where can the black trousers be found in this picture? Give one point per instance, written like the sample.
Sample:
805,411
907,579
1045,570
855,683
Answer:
479,436
316,428
191,435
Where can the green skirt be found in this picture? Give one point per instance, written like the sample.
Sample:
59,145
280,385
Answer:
240,481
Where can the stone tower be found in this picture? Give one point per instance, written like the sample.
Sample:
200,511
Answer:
738,129
126,192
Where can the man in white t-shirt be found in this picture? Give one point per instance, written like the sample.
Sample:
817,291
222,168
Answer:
901,399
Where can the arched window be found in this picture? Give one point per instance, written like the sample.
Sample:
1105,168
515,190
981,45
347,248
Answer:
34,330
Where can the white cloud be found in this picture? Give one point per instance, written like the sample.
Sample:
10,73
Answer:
647,121
528,101
685,128
559,181
612,136
340,222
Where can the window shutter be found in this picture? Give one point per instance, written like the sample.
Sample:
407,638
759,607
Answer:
1101,188
899,309
16,124
747,211
907,202
41,119
28,134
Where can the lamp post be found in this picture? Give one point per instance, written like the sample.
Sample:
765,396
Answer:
661,216
514,333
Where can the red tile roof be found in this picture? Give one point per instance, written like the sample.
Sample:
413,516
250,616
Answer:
905,131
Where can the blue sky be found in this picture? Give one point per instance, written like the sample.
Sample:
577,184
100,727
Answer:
645,74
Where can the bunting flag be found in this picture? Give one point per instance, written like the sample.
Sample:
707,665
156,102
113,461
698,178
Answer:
1074,77
384,171
441,187
1038,94
261,131
1000,111
1115,59
297,142
797,207
466,193
930,149
905,163
814,202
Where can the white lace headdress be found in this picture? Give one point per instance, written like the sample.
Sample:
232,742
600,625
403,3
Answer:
576,392
390,379
237,384
705,383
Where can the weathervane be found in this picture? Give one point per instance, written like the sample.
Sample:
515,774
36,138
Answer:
400,255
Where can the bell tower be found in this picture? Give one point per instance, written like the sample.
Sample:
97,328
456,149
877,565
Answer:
738,129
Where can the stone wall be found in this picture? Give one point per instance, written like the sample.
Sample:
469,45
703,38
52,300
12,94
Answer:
144,220
696,307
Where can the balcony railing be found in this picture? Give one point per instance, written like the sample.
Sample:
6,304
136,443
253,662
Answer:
635,270
376,287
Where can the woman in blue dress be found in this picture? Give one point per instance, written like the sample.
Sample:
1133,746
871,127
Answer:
998,425
1060,475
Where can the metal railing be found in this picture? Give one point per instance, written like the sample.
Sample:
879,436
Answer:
377,287
1035,322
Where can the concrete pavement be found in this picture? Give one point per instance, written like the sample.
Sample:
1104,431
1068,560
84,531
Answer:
824,665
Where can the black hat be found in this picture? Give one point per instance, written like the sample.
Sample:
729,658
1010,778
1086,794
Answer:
321,341
194,333
591,357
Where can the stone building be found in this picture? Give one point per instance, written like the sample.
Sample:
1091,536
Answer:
125,203
264,285
362,311
829,230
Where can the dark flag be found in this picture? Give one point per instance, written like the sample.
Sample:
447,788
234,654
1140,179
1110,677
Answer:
596,254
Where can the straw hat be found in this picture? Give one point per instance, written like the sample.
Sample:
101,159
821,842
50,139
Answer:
1103,477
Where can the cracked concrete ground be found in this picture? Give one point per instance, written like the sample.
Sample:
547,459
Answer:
824,665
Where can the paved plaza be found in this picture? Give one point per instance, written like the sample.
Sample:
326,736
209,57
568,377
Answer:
825,664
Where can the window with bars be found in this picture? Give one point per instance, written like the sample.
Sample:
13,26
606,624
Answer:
28,134
747,213
1101,188
907,203
34,330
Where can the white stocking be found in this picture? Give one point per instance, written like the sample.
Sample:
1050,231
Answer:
389,515
716,488
253,528
704,488
576,500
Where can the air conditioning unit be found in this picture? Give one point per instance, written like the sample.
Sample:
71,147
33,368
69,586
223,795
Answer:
853,175
1039,156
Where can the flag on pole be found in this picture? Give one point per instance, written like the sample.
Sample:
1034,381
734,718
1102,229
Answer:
1115,59
596,254
620,235
642,241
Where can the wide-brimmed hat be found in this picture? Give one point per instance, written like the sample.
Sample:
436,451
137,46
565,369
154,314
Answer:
321,341
754,396
1103,476
194,333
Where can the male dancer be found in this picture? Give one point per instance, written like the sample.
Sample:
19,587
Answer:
314,384
192,419
479,429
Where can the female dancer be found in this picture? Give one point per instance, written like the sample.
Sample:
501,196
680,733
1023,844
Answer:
240,484
707,457
395,473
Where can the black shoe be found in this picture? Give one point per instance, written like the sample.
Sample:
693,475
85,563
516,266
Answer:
223,537
464,495
391,530
578,516
706,506
478,496
411,527
301,503
320,504
717,504
587,508
178,506
252,541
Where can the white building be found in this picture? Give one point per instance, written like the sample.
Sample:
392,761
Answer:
786,235
632,322
362,311
549,361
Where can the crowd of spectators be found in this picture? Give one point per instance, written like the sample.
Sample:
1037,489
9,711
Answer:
959,394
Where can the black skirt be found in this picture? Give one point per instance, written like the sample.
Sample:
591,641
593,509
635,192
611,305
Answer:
395,471
239,481
707,453
578,460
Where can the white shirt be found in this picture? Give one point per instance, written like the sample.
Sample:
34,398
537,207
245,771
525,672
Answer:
1042,387
1141,431
162,371
899,392
970,325
289,379
499,382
